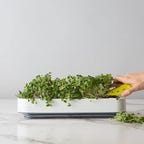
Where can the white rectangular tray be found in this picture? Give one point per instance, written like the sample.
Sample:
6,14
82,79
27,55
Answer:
79,108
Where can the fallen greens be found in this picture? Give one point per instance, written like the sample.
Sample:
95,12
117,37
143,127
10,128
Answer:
66,89
129,118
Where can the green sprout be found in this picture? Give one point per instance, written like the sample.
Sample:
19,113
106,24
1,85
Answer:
66,89
129,118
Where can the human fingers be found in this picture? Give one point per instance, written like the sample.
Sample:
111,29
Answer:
126,93
130,90
122,79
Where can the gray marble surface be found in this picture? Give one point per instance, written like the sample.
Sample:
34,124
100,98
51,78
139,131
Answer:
15,129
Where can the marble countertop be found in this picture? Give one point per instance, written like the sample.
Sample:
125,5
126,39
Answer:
16,129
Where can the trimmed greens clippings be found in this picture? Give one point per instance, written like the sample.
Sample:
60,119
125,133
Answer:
129,118
66,89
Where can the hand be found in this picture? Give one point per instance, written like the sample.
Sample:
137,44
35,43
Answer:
135,79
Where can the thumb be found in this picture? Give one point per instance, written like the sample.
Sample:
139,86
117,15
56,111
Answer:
128,92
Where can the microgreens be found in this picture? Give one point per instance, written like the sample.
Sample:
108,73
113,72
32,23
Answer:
66,89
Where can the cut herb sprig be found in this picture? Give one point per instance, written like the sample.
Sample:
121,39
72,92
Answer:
129,118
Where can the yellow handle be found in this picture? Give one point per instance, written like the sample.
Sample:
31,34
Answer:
119,90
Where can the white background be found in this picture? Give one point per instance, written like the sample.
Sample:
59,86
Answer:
65,37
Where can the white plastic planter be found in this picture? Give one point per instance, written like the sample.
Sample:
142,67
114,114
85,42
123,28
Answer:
104,107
